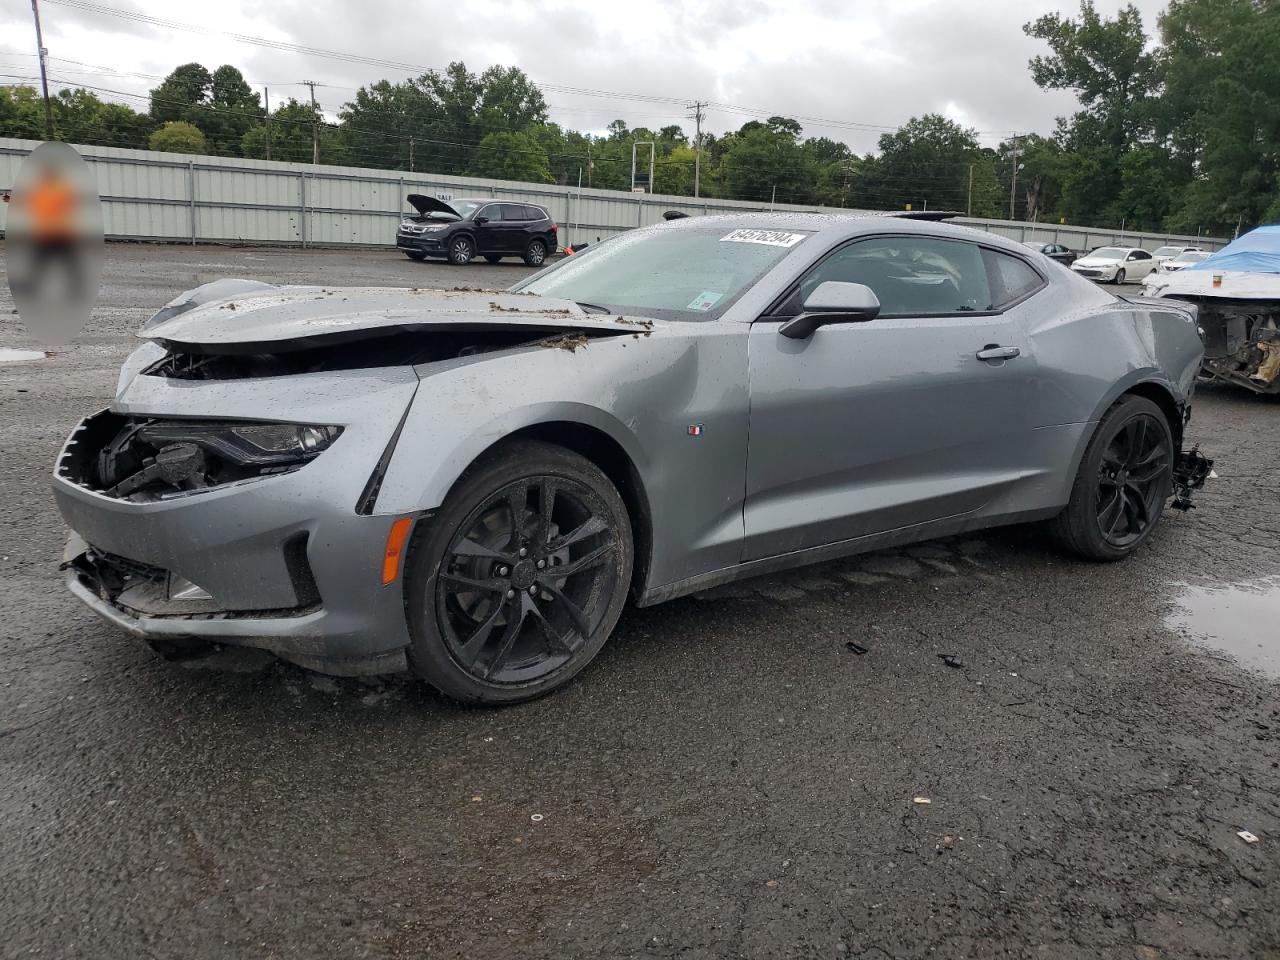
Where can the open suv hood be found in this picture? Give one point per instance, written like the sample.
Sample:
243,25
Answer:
425,205
267,319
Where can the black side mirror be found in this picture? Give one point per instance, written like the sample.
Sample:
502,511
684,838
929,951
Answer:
833,302
481,220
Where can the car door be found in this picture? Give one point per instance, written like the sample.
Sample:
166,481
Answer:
515,221
1138,264
488,227
922,414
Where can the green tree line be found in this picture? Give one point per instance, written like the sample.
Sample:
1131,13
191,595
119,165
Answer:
1178,132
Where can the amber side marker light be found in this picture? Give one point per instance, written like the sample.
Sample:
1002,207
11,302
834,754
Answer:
395,549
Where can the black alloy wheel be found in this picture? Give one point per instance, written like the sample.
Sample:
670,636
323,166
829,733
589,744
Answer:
461,250
1123,481
521,577
1132,480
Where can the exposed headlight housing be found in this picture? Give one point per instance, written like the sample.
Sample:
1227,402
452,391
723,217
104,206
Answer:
153,459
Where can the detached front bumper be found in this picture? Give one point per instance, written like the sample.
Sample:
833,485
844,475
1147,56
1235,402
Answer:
285,563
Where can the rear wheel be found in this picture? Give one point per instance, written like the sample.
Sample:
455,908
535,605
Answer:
535,254
1123,482
461,250
520,577
493,257
415,255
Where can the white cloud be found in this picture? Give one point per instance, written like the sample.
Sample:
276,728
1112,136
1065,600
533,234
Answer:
853,61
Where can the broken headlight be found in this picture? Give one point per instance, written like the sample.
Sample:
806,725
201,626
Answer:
148,459
257,444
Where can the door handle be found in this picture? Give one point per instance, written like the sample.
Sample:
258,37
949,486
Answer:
993,351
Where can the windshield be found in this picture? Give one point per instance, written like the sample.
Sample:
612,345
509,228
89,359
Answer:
1166,251
679,273
1110,253
1191,256
465,208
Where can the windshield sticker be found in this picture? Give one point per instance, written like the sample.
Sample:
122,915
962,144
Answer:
772,238
705,300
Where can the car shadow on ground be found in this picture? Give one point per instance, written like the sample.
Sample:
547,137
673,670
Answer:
650,642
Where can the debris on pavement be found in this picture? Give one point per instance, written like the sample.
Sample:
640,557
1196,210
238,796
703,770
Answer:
854,647
921,801
951,660
536,818
1246,836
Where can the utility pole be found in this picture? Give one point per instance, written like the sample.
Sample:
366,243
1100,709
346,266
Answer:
266,101
969,209
411,154
315,125
1013,183
44,71
590,166
697,147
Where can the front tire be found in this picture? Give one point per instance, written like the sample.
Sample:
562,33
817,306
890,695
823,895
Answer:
1122,484
516,583
1119,276
535,254
461,250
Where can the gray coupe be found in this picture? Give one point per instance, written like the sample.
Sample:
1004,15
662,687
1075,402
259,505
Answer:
471,484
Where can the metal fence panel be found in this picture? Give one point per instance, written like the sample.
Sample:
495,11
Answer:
166,196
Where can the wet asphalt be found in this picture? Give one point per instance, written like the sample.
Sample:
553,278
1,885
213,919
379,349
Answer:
728,779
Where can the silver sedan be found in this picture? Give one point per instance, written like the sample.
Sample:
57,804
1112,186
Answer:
471,485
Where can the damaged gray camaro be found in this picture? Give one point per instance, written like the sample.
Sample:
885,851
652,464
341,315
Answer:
470,485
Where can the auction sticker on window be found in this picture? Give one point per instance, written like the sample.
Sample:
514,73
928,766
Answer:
772,238
705,300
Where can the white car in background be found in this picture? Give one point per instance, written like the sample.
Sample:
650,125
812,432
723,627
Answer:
1182,260
1163,254
1115,264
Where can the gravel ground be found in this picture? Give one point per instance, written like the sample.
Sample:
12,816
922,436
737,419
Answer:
727,780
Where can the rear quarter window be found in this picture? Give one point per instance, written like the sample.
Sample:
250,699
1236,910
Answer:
1011,278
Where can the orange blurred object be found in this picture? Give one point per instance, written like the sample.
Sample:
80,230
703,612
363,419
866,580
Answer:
52,203
1217,279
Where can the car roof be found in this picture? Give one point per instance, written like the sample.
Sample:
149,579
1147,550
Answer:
835,227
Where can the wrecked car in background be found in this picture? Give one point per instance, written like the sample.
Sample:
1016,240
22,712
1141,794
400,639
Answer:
471,484
1236,292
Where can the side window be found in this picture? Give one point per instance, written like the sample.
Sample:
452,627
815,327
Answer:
491,210
1011,278
1140,255
911,276
535,213
513,211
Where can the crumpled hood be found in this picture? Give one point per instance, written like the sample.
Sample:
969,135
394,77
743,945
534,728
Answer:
266,319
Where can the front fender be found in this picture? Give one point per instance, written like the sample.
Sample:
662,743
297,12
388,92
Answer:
643,391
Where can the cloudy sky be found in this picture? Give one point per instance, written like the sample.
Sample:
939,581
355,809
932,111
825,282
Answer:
848,68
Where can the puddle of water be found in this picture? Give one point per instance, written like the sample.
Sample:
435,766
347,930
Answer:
10,355
1239,619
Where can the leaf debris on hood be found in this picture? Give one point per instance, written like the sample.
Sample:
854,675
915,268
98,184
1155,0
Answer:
568,341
